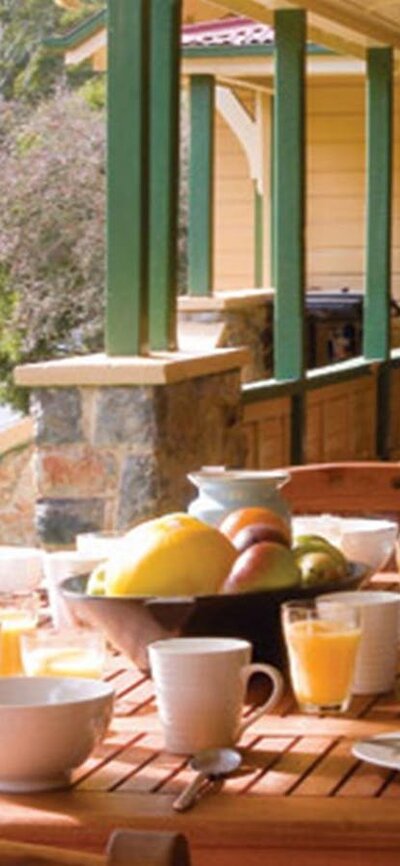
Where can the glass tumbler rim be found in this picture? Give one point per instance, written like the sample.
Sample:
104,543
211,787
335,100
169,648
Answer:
311,609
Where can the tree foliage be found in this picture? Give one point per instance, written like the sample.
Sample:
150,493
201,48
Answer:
52,206
52,227
29,70
52,194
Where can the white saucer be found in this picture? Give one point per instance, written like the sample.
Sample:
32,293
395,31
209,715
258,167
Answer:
382,750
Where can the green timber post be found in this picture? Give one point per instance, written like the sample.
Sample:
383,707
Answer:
289,213
376,339
201,184
165,24
258,238
127,178
273,195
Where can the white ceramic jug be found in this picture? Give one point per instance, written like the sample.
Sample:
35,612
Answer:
223,490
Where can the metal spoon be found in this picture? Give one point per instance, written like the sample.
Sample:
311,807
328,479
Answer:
208,764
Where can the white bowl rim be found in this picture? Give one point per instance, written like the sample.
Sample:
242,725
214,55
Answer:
105,690
367,524
350,523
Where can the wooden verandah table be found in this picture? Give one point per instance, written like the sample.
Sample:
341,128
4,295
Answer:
300,794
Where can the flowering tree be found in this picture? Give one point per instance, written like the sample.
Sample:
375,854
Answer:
29,70
52,213
52,227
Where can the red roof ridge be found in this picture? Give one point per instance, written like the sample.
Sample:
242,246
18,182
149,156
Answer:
227,31
218,24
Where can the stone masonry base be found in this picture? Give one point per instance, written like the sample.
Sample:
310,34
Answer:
109,457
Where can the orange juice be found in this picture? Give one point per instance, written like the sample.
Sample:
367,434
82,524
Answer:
64,662
322,656
76,652
14,623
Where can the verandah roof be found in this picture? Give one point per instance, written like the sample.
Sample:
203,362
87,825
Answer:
348,26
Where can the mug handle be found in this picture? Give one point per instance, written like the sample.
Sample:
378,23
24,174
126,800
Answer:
277,692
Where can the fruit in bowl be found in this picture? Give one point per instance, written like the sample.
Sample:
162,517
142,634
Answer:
262,539
319,561
242,520
267,561
263,565
171,555
192,580
180,555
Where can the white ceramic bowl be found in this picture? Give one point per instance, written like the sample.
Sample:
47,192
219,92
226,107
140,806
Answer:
362,539
21,568
49,726
371,539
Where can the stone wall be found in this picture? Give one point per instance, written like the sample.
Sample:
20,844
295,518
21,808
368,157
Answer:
17,485
108,457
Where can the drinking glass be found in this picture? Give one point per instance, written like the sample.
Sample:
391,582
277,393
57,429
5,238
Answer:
19,614
75,652
322,649
377,655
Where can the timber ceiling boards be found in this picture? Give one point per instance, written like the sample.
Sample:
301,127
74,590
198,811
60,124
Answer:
347,26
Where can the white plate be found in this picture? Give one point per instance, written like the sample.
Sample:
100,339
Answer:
382,750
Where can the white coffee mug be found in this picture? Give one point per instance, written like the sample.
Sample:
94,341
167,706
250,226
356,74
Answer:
200,685
377,655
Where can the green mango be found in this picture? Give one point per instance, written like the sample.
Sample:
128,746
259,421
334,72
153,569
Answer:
309,543
319,566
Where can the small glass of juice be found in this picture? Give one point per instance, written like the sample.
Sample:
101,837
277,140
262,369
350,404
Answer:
19,614
74,652
322,649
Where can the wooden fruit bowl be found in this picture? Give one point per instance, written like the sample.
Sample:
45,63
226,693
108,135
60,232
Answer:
130,622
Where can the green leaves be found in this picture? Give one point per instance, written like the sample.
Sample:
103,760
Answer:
52,213
29,70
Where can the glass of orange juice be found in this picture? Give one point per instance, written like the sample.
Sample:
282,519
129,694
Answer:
19,613
322,648
74,652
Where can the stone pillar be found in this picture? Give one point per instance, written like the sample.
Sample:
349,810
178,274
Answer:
239,318
116,437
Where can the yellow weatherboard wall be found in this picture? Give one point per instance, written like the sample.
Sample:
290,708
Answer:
233,211
335,193
336,184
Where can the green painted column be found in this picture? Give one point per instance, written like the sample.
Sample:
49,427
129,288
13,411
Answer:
142,174
258,239
379,202
273,197
376,340
201,205
289,211
164,170
127,177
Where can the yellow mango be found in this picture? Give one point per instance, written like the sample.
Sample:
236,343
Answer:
172,555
